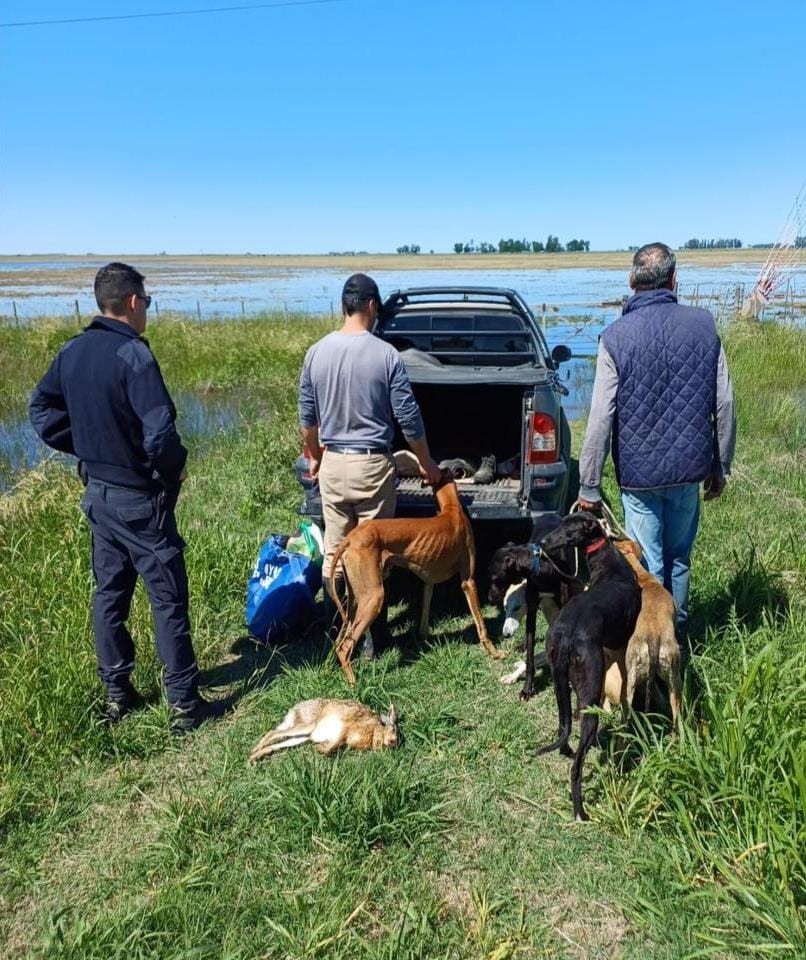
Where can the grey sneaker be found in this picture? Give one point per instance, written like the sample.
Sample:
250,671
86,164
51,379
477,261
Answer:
486,472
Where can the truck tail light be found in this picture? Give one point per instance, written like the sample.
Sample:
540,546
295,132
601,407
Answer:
541,442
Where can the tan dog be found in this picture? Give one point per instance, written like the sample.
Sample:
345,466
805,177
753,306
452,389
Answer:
615,680
653,649
329,725
433,548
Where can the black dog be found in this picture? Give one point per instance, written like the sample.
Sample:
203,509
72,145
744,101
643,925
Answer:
602,616
550,582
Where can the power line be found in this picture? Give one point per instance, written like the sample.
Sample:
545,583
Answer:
171,13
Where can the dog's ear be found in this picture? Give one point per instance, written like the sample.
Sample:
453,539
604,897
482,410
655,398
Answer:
592,525
556,539
635,549
390,719
510,562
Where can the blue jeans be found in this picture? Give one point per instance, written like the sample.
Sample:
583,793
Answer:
664,522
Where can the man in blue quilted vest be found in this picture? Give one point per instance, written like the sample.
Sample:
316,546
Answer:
663,393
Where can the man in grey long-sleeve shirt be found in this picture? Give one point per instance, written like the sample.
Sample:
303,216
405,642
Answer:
352,388
662,390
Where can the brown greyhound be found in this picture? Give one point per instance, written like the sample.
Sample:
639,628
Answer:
433,548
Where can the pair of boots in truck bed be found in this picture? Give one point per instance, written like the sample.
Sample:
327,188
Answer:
464,470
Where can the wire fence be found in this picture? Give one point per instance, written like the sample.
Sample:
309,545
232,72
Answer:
575,320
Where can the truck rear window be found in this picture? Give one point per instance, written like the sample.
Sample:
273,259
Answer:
428,323
467,339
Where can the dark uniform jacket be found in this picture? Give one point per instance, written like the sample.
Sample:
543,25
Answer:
103,399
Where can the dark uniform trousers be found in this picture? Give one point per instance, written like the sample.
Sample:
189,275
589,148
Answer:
135,533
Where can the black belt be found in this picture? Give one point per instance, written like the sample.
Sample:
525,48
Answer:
151,491
340,448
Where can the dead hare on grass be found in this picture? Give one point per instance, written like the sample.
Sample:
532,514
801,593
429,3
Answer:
330,725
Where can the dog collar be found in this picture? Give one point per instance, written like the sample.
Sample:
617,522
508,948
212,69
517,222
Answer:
536,551
596,545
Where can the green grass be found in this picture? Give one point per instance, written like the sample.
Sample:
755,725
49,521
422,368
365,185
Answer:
460,843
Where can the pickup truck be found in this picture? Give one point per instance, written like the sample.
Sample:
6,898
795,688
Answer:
486,384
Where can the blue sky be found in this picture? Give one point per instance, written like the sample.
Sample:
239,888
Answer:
367,124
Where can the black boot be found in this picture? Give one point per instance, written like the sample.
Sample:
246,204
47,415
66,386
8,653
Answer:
189,715
120,702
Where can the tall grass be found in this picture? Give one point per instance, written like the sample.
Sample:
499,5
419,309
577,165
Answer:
728,798
122,844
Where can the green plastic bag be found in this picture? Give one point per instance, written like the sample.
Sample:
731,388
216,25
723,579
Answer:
308,541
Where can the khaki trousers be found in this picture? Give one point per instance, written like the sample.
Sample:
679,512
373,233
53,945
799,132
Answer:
354,487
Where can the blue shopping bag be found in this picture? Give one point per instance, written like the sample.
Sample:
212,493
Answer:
280,593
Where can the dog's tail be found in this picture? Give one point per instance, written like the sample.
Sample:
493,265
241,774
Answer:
332,582
652,672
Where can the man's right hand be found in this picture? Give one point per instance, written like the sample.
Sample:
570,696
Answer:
313,467
430,471
592,506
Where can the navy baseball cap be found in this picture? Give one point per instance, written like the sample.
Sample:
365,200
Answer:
362,287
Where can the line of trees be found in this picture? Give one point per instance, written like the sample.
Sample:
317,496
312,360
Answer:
511,245
472,247
722,244
553,245
799,244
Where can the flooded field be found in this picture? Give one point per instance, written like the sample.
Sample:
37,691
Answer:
200,418
572,304
590,285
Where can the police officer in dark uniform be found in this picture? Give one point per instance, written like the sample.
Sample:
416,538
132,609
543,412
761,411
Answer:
103,400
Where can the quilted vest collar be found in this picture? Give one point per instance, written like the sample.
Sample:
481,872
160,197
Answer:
647,298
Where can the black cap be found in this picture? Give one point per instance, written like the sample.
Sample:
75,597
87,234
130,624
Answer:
361,287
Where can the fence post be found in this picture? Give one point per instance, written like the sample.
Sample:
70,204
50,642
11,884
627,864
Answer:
157,309
198,310
243,309
331,310
78,314
16,318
